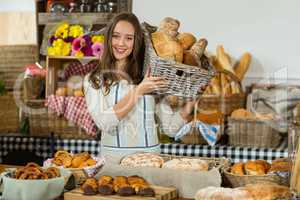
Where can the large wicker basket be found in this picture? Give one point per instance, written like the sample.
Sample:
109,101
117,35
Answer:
184,80
242,180
253,133
42,123
9,114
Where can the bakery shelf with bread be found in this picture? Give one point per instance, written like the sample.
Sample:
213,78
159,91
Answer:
255,171
250,129
177,57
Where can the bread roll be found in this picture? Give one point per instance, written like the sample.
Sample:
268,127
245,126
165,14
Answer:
122,187
141,186
186,40
166,47
78,93
62,91
105,185
169,26
90,186
256,167
189,58
267,191
238,168
242,114
242,66
198,49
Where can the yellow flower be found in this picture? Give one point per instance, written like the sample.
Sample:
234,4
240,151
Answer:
65,51
59,48
79,54
98,38
76,31
51,51
62,30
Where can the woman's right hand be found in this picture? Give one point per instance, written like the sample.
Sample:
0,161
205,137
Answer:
150,84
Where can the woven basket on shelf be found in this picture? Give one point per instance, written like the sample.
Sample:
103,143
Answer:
42,123
184,80
9,114
253,133
224,104
242,180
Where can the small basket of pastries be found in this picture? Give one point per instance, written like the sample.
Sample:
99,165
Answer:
46,182
178,57
256,191
224,92
82,165
255,171
246,128
119,185
186,163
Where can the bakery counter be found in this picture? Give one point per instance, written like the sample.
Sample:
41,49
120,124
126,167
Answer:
44,147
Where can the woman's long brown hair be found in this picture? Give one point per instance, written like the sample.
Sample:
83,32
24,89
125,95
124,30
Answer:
103,75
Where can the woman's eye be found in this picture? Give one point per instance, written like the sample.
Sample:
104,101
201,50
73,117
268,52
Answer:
115,36
129,38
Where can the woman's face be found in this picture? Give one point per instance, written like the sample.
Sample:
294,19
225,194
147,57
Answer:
122,40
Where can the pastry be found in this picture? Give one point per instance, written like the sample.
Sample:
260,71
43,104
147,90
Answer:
142,160
140,186
105,185
189,164
238,168
256,167
122,187
90,186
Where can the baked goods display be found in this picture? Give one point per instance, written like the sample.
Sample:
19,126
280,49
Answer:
142,160
188,164
120,185
259,191
34,171
261,167
73,87
67,160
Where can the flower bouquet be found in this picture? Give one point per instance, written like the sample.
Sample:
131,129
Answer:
74,40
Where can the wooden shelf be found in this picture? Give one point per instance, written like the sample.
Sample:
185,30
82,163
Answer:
74,18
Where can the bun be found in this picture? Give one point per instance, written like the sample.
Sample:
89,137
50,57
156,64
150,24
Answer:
169,26
267,191
189,58
242,113
78,93
62,91
186,40
238,169
256,167
167,47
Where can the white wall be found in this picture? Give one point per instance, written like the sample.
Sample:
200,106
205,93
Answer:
268,29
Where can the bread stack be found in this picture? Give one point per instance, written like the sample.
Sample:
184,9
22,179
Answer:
224,84
67,160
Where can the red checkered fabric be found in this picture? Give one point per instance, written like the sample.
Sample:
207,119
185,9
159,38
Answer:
77,68
73,109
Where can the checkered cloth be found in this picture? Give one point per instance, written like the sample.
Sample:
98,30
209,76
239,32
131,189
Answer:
44,147
236,154
73,109
77,68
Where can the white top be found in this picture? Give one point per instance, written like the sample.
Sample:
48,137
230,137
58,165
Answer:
135,132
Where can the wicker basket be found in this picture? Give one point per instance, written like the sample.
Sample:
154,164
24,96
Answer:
224,104
9,114
242,180
253,133
42,123
184,80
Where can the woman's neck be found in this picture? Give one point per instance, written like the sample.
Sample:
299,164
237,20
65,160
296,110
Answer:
120,65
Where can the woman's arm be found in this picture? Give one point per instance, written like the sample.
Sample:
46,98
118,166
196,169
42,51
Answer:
148,85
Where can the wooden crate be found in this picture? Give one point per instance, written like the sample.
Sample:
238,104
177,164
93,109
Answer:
9,114
54,64
13,59
161,193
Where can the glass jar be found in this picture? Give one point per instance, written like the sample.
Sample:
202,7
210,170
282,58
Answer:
85,6
100,6
112,7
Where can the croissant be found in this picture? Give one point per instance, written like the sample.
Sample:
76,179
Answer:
90,186
122,187
105,185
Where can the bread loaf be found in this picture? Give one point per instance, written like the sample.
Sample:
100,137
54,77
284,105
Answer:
167,47
186,40
189,58
219,193
256,167
241,67
189,164
238,168
169,26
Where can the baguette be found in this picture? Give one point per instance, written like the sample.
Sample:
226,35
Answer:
242,66
223,59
